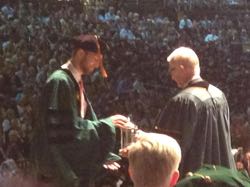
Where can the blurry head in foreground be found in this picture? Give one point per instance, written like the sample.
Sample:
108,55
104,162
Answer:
154,160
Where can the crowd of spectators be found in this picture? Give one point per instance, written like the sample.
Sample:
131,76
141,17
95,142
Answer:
34,42
189,5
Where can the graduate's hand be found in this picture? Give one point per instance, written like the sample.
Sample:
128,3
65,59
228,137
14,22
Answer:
122,122
111,165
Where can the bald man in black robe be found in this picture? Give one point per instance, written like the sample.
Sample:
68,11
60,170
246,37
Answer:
198,116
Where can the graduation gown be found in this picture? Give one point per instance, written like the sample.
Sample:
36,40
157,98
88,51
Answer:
215,176
66,147
198,117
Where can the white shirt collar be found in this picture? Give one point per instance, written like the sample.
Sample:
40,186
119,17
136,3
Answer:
75,72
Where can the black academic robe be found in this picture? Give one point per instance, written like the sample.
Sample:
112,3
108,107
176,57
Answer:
66,147
198,117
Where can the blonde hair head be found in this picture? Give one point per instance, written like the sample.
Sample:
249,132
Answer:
152,160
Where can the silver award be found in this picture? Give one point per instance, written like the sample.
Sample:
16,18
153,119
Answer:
128,135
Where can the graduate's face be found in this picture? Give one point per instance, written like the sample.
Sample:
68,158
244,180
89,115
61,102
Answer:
89,61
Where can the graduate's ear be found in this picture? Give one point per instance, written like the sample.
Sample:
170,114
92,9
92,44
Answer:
129,172
174,178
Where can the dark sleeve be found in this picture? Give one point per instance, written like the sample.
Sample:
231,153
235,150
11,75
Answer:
178,119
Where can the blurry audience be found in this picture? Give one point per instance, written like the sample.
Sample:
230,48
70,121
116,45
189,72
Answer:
32,46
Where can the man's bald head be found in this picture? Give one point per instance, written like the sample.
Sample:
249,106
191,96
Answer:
183,66
184,55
